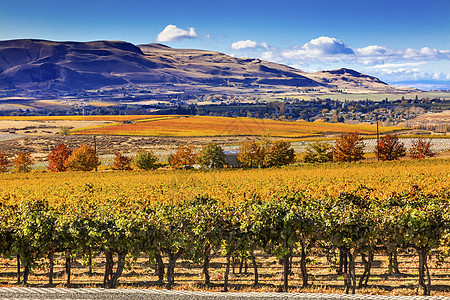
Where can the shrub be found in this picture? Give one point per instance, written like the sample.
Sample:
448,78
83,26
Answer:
65,130
318,152
23,162
146,160
421,149
183,158
349,147
4,163
83,158
121,162
278,153
211,156
58,157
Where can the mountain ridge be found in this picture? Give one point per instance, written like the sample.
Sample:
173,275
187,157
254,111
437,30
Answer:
32,64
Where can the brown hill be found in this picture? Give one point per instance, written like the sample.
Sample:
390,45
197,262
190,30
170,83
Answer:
47,65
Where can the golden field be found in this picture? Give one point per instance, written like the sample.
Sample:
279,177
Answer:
222,126
230,185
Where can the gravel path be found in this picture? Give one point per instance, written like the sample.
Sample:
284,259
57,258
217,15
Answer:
119,294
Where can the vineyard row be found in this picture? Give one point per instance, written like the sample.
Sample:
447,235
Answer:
355,224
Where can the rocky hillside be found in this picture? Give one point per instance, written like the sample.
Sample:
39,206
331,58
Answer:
47,65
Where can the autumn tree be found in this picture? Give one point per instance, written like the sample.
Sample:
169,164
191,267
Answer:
421,149
4,163
278,153
23,162
83,158
121,162
251,154
146,160
390,148
183,158
212,156
318,152
57,158
348,147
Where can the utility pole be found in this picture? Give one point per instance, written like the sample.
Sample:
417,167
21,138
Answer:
95,149
378,139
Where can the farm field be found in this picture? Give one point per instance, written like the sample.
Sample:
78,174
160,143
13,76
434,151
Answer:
230,185
223,126
121,210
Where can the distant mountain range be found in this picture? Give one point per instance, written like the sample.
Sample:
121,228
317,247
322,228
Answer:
65,66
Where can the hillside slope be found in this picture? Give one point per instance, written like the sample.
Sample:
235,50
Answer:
47,65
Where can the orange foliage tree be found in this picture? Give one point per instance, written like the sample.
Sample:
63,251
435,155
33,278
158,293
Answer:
4,162
348,147
57,158
251,154
421,149
390,148
82,159
183,158
23,162
121,162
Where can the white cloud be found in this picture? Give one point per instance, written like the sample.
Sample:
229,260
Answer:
408,64
328,49
173,33
391,65
319,49
239,45
414,74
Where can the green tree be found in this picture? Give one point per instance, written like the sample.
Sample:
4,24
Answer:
146,160
318,152
83,158
349,147
278,153
211,156
390,148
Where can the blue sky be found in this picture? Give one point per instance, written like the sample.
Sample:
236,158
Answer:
399,41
